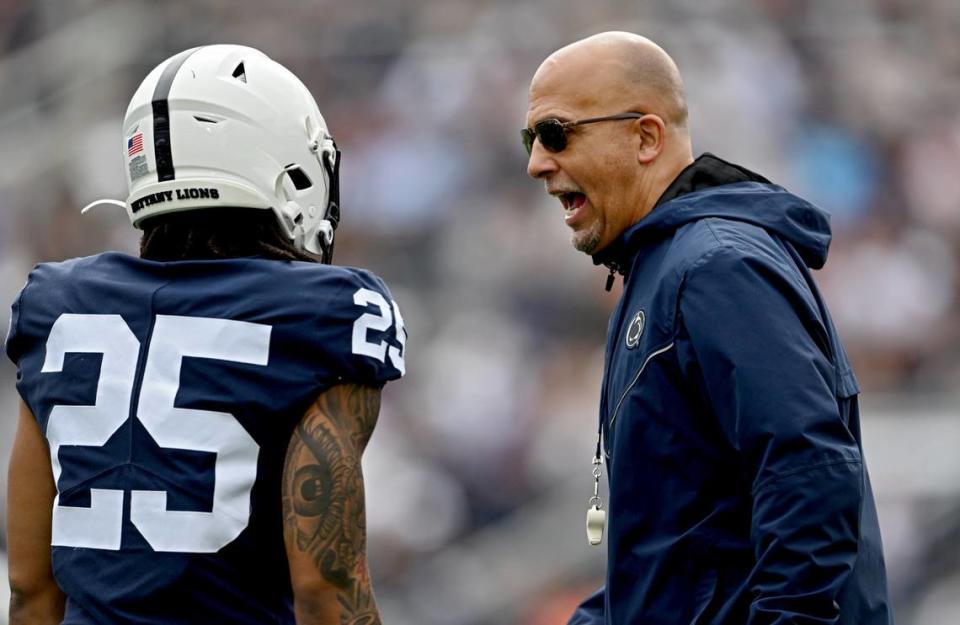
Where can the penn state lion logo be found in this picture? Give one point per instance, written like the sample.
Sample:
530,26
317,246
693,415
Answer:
635,329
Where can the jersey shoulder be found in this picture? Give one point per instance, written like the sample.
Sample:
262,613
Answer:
351,317
45,285
329,283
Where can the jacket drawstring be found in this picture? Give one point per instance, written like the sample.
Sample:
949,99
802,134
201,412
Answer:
613,270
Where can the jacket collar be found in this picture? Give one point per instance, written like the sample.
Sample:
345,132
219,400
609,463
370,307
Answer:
706,171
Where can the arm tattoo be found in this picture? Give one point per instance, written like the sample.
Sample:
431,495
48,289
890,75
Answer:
323,497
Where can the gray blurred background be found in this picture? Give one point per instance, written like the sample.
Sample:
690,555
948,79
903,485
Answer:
479,473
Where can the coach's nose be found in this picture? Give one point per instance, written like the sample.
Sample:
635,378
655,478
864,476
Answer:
541,162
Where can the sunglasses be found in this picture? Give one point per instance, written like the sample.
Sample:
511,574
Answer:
552,133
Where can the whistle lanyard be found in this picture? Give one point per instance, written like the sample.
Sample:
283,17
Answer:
597,471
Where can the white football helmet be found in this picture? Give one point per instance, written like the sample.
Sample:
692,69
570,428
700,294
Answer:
224,125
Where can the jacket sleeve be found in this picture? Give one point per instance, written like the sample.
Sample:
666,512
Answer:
590,612
761,356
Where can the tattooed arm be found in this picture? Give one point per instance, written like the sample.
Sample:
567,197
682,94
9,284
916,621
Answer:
323,508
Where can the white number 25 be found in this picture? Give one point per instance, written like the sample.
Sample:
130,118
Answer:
381,322
99,526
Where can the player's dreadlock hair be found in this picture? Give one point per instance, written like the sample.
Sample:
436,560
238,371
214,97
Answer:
214,233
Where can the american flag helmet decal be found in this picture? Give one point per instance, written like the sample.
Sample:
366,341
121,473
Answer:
135,144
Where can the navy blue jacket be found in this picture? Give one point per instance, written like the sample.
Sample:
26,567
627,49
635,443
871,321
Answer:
738,490
168,393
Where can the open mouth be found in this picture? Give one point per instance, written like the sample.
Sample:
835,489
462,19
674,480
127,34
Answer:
572,200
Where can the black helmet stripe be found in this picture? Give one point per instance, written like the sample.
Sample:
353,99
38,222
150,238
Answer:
162,148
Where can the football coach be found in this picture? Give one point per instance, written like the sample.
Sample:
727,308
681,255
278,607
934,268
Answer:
729,416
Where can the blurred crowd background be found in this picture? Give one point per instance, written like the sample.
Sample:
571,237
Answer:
479,472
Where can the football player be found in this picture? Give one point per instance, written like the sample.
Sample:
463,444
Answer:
192,420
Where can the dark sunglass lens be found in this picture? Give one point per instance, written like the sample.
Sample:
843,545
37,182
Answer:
551,134
528,138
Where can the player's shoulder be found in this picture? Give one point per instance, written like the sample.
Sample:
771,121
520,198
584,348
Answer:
350,316
326,281
56,275
53,270
329,293
357,276
47,287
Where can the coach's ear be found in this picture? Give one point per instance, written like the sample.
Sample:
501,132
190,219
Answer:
649,131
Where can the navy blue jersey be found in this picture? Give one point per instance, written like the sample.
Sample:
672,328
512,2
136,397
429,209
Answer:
168,393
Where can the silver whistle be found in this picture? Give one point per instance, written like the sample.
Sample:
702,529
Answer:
596,515
596,520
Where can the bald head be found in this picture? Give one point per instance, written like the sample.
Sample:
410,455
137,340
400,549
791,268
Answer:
607,175
616,69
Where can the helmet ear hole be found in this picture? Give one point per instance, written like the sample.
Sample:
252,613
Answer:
299,178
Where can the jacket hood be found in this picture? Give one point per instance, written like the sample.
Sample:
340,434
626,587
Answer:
712,187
